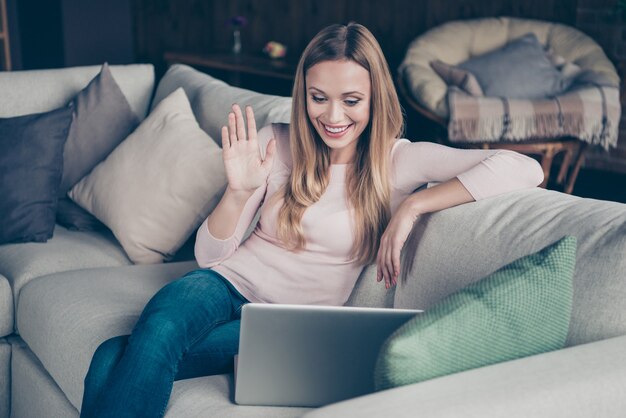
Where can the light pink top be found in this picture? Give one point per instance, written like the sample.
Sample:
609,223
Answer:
262,270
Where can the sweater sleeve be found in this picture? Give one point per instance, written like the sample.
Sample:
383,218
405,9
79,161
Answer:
209,250
484,173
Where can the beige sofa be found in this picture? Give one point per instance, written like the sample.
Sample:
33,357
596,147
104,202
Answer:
59,300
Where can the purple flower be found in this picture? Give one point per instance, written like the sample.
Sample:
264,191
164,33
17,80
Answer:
238,21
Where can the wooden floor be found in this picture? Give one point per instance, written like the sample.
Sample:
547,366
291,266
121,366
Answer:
602,185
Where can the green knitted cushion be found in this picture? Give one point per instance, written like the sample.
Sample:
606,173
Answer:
520,310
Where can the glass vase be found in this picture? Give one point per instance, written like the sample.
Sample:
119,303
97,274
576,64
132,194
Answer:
236,41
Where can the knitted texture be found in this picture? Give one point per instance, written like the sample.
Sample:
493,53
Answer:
520,310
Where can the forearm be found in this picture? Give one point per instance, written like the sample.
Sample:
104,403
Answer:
222,222
442,196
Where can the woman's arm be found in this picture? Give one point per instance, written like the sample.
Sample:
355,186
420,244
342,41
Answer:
463,176
247,171
442,196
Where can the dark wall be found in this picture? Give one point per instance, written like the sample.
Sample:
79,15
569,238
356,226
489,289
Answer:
201,25
39,34
95,31
64,33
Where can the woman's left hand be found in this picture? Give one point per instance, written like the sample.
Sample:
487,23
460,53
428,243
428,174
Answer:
392,241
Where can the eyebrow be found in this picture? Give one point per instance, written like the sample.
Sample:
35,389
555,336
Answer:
348,93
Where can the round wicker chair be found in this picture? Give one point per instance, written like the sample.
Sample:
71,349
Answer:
457,41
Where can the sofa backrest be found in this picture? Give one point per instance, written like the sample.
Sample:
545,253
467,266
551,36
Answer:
453,248
35,91
211,100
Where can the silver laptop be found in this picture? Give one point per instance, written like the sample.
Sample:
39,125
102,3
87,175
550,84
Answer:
295,355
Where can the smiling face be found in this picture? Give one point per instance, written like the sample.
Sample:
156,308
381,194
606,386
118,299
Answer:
338,105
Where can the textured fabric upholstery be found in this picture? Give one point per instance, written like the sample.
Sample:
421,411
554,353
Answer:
33,392
5,378
35,91
579,382
202,91
66,250
6,307
36,394
457,41
510,226
368,292
66,316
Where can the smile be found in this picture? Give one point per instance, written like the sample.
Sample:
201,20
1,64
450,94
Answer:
336,132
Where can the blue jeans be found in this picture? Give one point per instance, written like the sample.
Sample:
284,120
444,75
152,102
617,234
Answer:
189,328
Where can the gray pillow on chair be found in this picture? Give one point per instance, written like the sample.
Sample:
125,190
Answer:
518,70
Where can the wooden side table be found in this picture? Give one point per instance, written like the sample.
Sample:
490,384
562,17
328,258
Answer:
242,70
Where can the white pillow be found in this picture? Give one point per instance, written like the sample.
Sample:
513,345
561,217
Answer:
158,185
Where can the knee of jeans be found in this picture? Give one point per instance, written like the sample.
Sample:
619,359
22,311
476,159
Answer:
105,358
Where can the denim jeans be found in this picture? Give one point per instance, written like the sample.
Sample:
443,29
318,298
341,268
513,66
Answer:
189,328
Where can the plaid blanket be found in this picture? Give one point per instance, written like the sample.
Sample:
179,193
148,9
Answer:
590,113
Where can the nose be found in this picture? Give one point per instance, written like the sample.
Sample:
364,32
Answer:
335,113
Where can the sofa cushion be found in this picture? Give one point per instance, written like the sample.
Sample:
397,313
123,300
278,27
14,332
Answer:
31,165
35,91
202,91
102,119
6,307
520,310
66,250
577,382
507,227
37,395
156,188
5,378
64,317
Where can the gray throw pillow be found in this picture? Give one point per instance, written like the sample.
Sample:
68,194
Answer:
102,119
31,164
518,70
156,187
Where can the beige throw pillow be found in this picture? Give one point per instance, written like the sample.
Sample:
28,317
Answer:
158,185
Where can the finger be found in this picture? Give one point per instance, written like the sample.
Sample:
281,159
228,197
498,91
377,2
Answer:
241,127
385,263
232,129
395,260
251,124
379,261
225,140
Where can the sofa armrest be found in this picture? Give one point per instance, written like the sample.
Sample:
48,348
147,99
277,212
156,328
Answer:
582,381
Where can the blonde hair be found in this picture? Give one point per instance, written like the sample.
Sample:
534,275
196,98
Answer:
368,190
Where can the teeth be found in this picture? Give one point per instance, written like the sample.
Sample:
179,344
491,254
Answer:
335,130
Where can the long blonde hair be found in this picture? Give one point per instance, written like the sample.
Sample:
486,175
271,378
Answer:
368,184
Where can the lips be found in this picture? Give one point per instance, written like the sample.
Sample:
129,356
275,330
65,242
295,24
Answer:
336,131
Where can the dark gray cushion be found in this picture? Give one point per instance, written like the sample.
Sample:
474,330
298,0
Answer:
518,70
31,164
102,119
75,218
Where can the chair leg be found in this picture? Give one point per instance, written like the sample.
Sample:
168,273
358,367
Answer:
546,164
579,162
567,161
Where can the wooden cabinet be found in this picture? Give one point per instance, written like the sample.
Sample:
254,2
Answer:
5,51
255,72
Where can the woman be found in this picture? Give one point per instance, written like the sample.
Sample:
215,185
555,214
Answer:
336,192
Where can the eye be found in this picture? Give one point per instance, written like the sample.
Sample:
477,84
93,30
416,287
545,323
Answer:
318,99
351,102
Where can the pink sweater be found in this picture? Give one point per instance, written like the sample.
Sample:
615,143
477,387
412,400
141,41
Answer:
262,270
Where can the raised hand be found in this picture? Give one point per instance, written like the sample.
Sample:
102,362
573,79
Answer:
245,169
